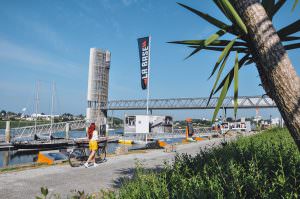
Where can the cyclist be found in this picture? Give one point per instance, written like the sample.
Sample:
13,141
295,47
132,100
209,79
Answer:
93,144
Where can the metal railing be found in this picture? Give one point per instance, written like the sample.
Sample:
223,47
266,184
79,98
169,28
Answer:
177,133
46,129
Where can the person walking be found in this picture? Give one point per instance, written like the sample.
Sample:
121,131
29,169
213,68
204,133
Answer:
93,144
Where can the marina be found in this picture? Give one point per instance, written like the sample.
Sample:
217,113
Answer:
27,151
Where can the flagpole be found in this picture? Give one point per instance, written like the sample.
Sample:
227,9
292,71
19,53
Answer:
148,82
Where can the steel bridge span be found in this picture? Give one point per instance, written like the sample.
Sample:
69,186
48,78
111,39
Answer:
190,103
154,104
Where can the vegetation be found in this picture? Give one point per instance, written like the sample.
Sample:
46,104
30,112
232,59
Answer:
20,120
196,123
21,123
256,39
115,122
262,166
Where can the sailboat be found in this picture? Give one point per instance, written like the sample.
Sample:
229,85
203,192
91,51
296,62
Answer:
41,143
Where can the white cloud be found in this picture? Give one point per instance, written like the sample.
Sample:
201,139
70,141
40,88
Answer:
36,60
45,33
128,2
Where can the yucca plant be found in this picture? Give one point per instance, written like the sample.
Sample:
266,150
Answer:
255,41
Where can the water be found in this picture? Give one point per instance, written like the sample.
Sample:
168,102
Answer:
8,158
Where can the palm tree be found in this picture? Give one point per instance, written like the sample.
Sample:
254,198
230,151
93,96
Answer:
259,42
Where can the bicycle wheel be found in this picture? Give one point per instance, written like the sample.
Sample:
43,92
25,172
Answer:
101,154
77,157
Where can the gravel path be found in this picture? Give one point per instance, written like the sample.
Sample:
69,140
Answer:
62,178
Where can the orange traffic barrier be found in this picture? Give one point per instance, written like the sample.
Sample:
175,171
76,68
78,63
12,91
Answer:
185,141
42,158
198,139
161,143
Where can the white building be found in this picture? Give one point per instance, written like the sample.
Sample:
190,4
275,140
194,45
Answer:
41,116
148,124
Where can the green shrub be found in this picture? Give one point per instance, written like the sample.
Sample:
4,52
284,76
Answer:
266,165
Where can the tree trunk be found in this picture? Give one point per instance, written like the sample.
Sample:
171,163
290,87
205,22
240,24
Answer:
276,71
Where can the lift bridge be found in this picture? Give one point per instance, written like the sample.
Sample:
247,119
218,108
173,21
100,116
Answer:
244,102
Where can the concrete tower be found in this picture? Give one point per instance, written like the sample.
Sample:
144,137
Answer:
97,95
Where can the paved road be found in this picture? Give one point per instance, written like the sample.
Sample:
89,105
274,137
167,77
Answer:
62,178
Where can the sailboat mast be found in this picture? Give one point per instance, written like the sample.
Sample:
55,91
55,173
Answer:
52,107
36,105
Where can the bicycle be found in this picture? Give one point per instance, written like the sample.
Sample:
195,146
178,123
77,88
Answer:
78,156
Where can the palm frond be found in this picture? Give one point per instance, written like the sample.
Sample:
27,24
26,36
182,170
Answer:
223,10
224,53
238,49
277,7
290,29
234,15
208,41
295,4
236,83
268,5
292,46
221,98
214,43
289,38
231,72
217,78
207,17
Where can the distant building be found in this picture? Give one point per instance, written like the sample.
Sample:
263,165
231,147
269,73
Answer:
41,116
148,124
98,80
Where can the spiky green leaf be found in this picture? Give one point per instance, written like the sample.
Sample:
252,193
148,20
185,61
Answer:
224,53
235,16
289,38
214,37
236,83
277,7
238,49
217,78
208,41
221,98
214,43
207,17
295,4
292,46
290,29
231,72
268,5
222,9
250,61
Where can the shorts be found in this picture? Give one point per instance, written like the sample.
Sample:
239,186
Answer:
93,145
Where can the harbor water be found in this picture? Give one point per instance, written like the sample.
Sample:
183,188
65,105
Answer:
9,158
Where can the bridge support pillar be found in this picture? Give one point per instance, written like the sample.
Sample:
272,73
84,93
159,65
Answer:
7,132
67,130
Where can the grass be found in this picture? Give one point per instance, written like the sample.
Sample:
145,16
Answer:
21,167
266,165
21,123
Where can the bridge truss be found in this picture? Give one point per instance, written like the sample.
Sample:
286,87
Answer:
190,103
154,104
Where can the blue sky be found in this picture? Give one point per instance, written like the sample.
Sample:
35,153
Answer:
50,40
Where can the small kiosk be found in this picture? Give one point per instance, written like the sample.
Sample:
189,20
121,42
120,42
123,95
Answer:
148,124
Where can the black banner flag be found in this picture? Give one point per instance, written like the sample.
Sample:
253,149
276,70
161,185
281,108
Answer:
144,51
